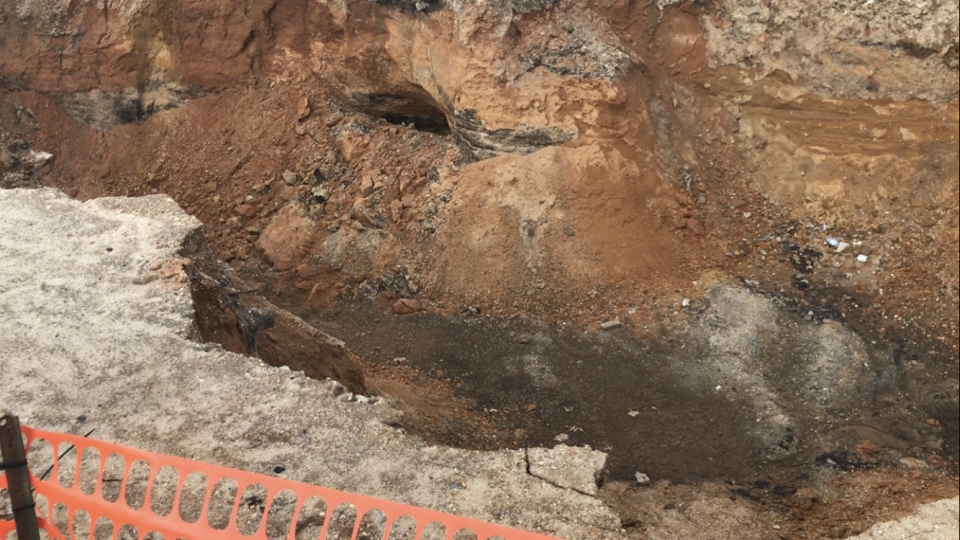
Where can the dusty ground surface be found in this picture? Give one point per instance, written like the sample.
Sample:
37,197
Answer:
520,172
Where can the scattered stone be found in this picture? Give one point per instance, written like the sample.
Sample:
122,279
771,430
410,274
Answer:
643,479
247,211
833,242
933,422
472,311
39,159
422,6
7,160
685,303
400,360
360,213
753,11
804,499
290,178
367,186
579,469
210,187
396,210
842,246
633,414
610,325
908,136
320,194
406,306
862,259
563,437
303,109
532,408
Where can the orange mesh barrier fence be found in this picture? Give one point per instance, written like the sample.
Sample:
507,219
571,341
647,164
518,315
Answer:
87,489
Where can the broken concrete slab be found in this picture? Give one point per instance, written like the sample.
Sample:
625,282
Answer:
87,343
579,469
936,521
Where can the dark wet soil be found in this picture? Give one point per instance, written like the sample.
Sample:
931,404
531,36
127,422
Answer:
928,361
605,390
553,384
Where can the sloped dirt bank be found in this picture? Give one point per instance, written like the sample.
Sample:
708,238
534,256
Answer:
237,318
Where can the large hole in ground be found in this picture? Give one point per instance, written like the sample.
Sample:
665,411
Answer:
418,110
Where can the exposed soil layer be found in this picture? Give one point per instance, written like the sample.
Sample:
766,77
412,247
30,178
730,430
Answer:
843,505
768,231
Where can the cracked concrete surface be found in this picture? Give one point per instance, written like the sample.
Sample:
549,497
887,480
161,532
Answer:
936,521
566,467
86,342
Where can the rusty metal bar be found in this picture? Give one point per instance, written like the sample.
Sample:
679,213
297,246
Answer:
18,478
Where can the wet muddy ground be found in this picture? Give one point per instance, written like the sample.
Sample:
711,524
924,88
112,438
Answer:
647,403
606,391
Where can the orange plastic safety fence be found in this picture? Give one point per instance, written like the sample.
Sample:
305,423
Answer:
83,510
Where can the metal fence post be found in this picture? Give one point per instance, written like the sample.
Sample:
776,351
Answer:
18,478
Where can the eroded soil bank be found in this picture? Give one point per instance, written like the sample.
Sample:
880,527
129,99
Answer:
760,202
